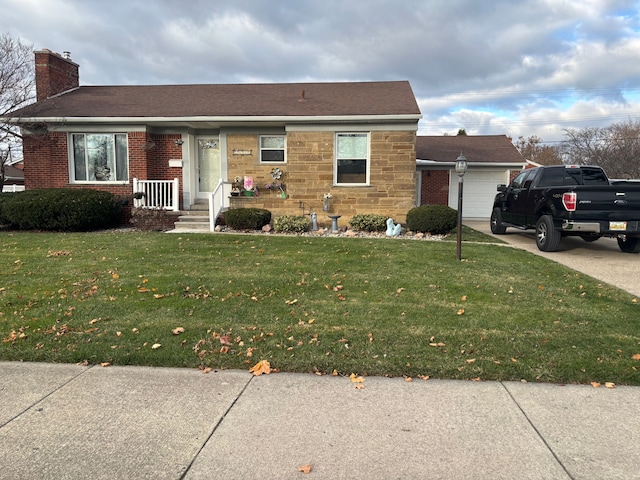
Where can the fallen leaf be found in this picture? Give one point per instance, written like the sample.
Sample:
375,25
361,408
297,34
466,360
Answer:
115,276
356,379
439,344
263,366
595,384
334,373
408,379
291,302
156,346
461,311
225,339
423,377
610,385
463,298
177,330
207,370
105,364
143,290
471,360
305,469
636,356
158,295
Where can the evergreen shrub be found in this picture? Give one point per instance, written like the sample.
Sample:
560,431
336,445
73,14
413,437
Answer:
433,219
247,218
61,209
368,222
291,224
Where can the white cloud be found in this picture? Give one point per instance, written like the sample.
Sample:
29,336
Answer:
510,67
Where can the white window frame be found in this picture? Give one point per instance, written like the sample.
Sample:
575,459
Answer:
72,164
367,159
284,149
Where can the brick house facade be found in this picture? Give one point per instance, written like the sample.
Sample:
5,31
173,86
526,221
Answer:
158,133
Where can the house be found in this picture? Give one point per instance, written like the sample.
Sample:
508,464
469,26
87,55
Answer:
491,159
183,145
13,177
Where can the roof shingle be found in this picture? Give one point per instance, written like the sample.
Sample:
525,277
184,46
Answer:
232,100
478,148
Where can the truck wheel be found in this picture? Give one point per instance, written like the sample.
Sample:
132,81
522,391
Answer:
629,244
547,237
496,222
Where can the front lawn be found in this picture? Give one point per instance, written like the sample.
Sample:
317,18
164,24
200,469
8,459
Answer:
311,304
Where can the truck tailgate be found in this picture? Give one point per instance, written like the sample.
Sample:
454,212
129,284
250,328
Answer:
612,203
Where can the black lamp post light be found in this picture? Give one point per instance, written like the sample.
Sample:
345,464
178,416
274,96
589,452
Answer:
461,169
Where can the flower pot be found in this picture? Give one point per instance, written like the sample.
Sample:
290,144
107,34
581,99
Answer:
248,193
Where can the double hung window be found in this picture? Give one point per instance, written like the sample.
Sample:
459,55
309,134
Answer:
99,157
272,149
352,159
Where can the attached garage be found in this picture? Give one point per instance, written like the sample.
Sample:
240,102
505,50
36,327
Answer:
491,159
478,191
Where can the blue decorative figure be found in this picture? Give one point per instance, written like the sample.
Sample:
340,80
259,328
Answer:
393,230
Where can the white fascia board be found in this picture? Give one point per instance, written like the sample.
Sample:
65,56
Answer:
247,118
433,163
343,127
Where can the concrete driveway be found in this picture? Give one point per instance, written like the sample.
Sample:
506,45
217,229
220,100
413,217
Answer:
601,259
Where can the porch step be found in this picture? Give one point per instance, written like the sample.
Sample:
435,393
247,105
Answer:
194,220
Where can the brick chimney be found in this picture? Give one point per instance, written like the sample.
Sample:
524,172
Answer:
54,74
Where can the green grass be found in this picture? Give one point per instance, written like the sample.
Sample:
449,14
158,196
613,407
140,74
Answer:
312,304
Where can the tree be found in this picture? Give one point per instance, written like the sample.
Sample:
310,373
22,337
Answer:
535,150
462,131
17,82
615,148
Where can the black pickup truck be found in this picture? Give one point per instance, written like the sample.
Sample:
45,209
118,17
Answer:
561,200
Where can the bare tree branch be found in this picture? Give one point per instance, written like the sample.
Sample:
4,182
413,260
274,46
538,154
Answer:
17,89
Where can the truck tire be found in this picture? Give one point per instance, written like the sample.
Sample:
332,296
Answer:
496,222
547,237
629,244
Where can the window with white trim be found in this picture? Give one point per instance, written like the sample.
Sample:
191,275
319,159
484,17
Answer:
352,159
99,157
272,148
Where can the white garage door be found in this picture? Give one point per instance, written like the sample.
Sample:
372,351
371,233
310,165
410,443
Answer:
478,192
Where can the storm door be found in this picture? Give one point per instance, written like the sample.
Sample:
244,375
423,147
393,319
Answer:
208,168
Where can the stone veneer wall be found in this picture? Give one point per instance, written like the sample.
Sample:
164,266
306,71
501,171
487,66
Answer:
309,175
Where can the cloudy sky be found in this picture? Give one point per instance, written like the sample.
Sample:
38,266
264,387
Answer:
511,67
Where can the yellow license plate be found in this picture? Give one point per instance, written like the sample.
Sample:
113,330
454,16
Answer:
617,225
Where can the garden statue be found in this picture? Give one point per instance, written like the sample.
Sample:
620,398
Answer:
393,230
314,222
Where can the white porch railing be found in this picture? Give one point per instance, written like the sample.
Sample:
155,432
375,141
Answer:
157,194
12,188
218,201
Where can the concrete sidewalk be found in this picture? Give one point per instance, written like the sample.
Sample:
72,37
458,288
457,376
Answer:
74,422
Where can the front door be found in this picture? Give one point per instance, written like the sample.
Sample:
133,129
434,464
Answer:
208,168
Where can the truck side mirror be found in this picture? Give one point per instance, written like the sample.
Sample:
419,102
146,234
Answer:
502,187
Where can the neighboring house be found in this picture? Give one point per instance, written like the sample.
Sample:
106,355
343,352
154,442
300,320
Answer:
354,140
13,177
492,159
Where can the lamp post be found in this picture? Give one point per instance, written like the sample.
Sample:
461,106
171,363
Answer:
461,169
